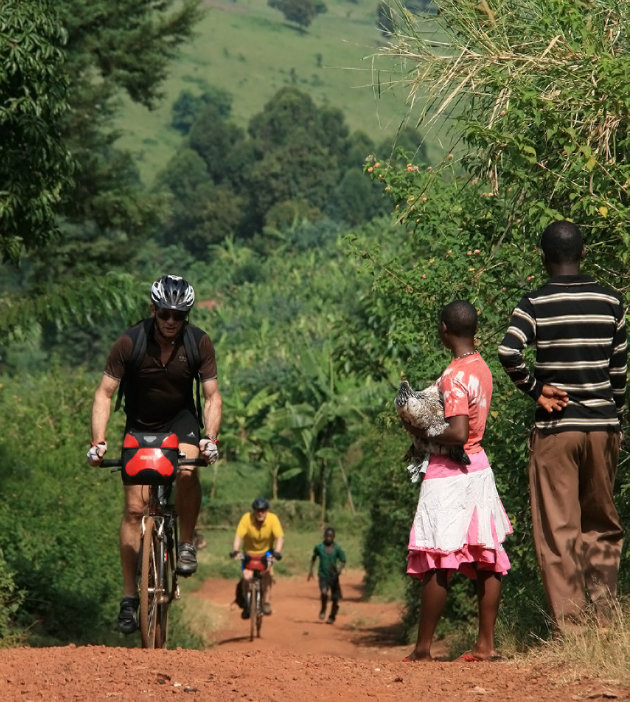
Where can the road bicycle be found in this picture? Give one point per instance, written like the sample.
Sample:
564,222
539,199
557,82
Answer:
258,565
157,558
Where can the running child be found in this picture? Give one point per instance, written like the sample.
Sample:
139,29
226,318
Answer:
332,560
460,523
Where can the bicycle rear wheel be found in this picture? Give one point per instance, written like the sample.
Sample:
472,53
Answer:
153,610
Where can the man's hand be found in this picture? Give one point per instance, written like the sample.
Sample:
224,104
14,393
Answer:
309,576
96,453
552,399
209,450
277,556
235,554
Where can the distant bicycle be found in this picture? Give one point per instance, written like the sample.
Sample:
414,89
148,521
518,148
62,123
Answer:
154,460
258,564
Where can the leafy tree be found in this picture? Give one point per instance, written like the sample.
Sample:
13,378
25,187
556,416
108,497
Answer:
356,199
212,136
289,168
186,171
35,162
111,47
189,106
302,12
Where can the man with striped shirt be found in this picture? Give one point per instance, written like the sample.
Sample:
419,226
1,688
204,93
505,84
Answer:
579,384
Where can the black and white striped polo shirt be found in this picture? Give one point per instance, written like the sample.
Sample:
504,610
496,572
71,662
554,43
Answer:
578,328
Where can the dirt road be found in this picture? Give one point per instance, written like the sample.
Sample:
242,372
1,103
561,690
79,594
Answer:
298,658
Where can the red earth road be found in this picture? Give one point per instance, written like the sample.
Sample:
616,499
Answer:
298,658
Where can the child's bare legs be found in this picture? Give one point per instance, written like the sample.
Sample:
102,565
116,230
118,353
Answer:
488,597
434,594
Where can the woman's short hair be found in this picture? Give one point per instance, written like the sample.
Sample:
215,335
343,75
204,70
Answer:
460,318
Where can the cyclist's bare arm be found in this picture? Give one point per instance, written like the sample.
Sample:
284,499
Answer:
236,546
212,408
101,408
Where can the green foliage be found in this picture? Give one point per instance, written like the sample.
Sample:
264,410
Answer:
294,165
11,600
189,106
551,143
35,163
538,146
302,12
62,72
61,306
290,410
59,518
392,500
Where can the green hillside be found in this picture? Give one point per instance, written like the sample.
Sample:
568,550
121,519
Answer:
247,48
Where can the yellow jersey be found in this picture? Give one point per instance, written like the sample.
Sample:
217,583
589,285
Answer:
255,539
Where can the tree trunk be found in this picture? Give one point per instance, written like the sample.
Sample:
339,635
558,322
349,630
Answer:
350,501
324,482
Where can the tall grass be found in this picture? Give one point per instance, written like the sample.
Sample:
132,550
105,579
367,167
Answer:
590,650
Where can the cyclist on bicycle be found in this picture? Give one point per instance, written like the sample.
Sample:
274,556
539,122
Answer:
258,532
159,397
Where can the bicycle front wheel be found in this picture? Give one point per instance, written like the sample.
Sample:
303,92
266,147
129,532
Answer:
254,605
153,609
259,611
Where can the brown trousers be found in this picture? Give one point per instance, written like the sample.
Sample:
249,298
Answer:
577,531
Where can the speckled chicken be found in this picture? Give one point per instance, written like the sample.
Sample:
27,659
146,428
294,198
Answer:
424,409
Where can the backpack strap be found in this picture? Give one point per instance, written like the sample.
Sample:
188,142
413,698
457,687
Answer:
192,336
139,334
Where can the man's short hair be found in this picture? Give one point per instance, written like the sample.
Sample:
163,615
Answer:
460,318
562,242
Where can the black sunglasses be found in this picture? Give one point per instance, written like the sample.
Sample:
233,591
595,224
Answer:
177,315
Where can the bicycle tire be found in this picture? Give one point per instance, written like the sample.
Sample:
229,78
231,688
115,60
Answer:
259,611
150,586
170,587
253,608
166,571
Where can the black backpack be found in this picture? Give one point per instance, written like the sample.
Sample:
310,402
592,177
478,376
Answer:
139,334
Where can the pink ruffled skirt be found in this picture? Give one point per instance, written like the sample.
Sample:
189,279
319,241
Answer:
460,522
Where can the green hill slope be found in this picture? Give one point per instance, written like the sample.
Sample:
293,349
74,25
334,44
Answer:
247,48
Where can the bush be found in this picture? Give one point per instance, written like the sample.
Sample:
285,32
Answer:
67,567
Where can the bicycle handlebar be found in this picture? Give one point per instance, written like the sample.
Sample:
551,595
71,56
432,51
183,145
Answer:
242,556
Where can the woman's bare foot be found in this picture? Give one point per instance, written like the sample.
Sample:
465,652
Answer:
475,656
417,656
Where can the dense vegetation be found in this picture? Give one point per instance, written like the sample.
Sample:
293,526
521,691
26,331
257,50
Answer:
319,275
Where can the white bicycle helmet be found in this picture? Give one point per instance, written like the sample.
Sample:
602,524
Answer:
172,292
